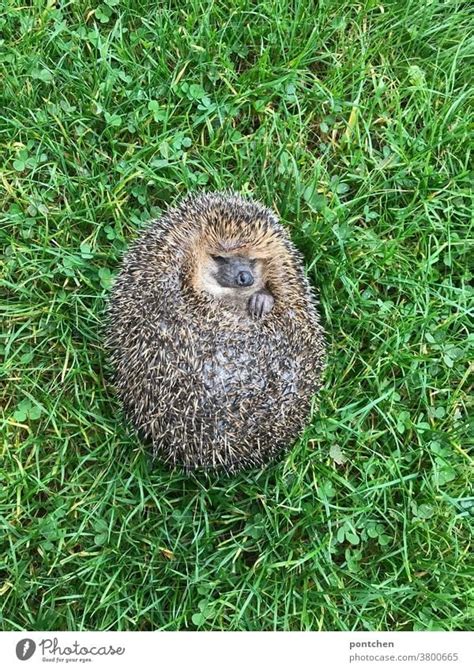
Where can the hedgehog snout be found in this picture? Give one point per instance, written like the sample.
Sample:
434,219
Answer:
245,278
234,271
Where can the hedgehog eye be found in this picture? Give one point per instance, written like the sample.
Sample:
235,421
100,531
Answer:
219,259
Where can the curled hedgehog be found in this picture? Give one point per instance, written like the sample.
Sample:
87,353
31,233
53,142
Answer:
214,335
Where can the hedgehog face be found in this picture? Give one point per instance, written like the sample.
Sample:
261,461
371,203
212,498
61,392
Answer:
230,276
234,271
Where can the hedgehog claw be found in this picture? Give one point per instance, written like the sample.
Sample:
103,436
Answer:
261,303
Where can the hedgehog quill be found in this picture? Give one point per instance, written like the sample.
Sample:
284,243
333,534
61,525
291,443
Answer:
214,335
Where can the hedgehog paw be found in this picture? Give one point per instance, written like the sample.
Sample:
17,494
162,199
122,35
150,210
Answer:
261,303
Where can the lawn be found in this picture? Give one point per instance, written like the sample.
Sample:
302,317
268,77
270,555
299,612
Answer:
350,119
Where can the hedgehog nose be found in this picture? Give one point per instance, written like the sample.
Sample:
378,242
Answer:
245,278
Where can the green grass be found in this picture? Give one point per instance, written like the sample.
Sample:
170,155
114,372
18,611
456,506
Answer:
352,120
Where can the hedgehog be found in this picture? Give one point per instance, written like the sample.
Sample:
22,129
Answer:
214,335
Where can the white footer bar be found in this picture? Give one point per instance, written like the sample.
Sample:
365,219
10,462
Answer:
239,651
